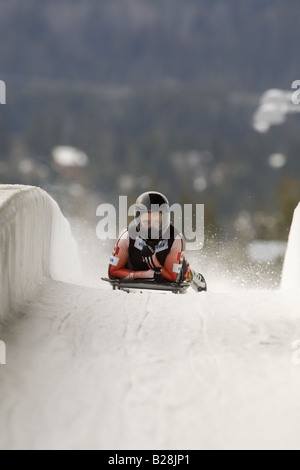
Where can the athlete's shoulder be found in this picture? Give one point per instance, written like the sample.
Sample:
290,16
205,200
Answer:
123,237
177,234
124,234
178,238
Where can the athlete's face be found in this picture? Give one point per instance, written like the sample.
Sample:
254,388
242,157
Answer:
153,220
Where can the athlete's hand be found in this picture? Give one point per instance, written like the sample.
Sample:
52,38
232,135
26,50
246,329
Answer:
158,276
147,255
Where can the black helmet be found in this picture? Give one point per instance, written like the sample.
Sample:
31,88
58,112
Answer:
151,202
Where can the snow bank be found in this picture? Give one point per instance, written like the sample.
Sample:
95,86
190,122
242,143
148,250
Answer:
35,243
291,268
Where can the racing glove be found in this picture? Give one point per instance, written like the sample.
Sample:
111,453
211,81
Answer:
147,255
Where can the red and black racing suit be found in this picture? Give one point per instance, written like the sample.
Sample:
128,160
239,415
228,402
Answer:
127,262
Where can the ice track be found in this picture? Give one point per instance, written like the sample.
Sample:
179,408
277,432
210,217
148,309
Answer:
95,369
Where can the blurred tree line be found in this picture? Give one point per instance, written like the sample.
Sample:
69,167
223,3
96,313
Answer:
245,45
160,94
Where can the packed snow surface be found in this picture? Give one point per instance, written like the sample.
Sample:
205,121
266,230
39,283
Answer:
89,368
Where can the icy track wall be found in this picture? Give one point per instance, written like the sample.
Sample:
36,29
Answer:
291,268
35,244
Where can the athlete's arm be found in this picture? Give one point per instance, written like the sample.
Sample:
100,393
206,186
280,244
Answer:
119,259
174,260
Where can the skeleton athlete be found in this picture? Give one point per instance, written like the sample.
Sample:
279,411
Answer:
151,249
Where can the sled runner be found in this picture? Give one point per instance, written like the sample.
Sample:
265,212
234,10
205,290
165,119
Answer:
128,286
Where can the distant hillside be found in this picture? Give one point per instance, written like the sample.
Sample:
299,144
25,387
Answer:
246,44
161,91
